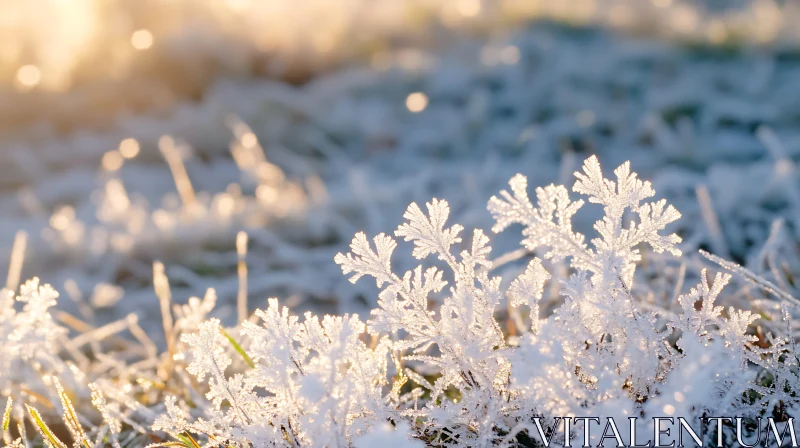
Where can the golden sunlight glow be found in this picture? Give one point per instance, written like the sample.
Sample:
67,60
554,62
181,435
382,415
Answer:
49,44
469,8
238,5
417,102
142,39
51,35
29,76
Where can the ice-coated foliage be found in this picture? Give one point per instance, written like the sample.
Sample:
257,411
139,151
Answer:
486,119
31,341
33,367
459,377
602,331
440,361
314,383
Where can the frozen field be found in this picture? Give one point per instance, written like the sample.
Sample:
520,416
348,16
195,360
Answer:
156,161
715,129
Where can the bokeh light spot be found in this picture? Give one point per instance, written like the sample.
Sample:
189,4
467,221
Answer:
417,102
112,161
29,76
510,55
249,140
129,148
142,39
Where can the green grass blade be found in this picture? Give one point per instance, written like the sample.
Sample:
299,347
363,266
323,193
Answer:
47,435
7,415
239,350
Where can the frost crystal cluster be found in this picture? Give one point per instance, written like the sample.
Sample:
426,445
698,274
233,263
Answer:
31,341
314,383
447,360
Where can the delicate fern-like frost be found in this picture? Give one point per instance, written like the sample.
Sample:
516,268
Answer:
457,378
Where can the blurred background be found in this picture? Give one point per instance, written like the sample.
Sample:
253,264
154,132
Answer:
135,131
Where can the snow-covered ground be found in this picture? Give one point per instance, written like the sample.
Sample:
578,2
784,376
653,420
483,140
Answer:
302,168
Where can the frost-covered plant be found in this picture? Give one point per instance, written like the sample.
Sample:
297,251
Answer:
33,366
460,380
315,383
610,356
31,340
470,349
599,310
599,353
